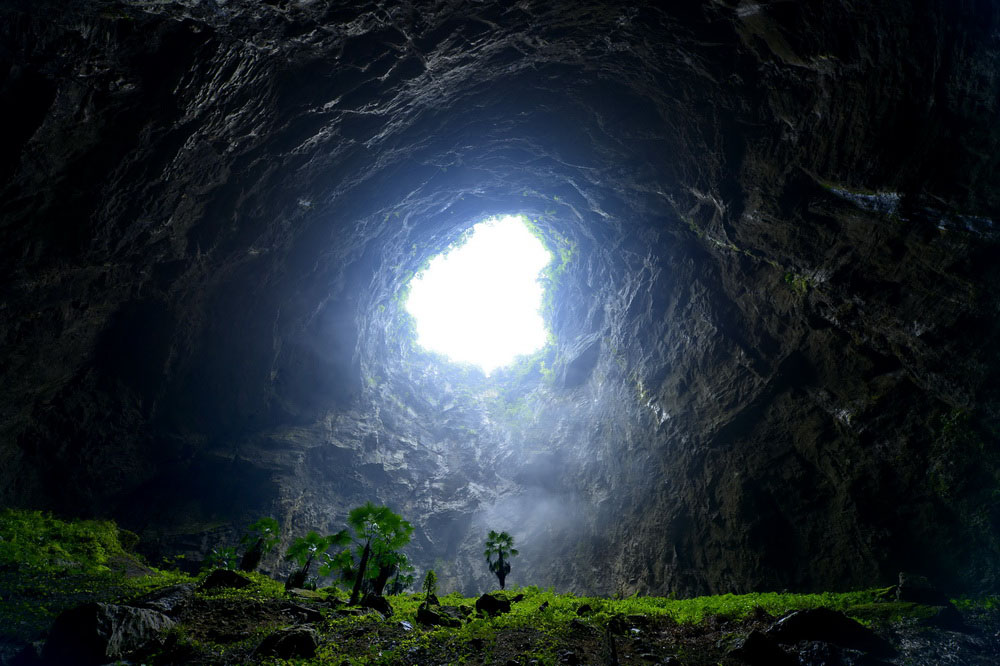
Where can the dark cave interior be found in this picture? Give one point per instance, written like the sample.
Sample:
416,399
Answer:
774,321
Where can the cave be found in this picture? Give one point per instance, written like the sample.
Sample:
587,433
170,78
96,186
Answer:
772,307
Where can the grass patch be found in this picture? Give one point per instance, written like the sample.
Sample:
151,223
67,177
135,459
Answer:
547,621
37,540
263,588
48,565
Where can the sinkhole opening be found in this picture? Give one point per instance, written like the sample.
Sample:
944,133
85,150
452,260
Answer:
480,302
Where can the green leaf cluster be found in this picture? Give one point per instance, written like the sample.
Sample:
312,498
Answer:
220,558
370,550
797,282
429,586
498,545
266,531
306,548
36,539
48,565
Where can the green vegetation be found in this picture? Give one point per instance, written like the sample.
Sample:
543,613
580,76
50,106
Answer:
547,622
501,546
988,603
553,276
261,589
220,558
404,575
306,549
798,283
379,535
37,540
429,587
260,539
48,565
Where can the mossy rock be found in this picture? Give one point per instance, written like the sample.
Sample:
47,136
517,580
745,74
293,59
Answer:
891,611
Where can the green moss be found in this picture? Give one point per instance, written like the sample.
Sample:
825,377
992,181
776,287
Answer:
262,588
799,283
693,226
563,252
38,540
888,612
988,603
48,565
547,616
39,580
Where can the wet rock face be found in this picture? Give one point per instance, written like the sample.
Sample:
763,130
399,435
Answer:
776,331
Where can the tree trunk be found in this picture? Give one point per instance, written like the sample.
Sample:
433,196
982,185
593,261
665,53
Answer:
501,574
251,558
383,577
294,580
298,578
362,568
305,569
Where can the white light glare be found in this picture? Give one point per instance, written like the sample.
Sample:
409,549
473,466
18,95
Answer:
480,303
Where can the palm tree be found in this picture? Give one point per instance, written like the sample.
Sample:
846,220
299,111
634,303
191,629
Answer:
501,546
380,533
403,577
260,539
305,550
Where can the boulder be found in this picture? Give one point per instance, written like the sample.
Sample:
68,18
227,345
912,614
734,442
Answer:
427,616
29,655
829,626
492,605
919,590
758,649
167,600
292,643
224,578
947,618
377,602
302,614
96,633
457,612
569,657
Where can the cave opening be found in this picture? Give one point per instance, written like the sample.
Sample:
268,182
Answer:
480,301
769,334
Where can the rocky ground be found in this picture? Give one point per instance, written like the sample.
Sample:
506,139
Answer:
775,331
229,618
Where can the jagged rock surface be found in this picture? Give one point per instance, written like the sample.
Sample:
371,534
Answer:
776,337
95,633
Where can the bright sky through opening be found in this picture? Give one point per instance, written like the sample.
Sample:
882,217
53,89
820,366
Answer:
481,303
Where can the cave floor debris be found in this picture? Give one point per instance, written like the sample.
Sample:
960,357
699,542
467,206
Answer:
264,624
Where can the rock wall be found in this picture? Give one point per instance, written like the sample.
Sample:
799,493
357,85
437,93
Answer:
775,334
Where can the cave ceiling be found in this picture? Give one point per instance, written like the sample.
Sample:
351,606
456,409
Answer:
774,324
